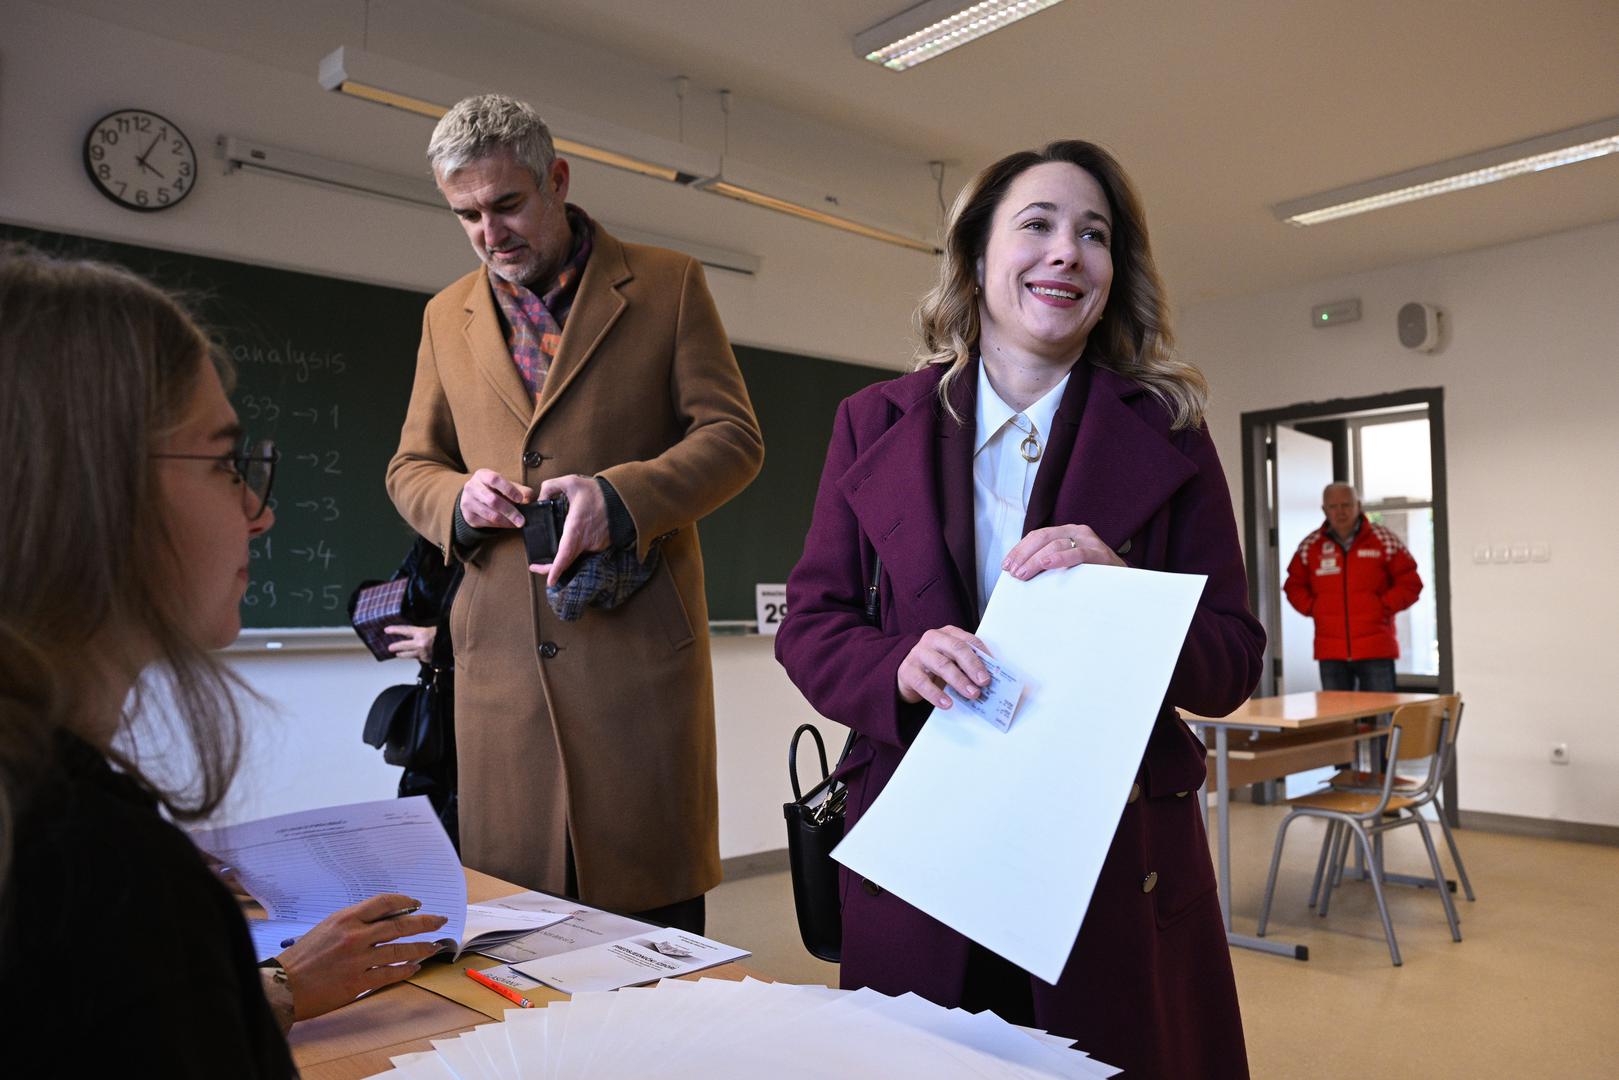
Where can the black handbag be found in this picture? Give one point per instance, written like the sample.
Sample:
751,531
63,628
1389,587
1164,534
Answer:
815,821
407,723
814,827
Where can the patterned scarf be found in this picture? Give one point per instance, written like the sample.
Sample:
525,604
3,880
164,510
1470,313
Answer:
533,323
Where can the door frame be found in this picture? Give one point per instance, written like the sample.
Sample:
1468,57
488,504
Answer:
1259,539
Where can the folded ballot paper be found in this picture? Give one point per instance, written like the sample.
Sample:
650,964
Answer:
717,1028
305,866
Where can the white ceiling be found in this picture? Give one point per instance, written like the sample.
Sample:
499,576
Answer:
1217,109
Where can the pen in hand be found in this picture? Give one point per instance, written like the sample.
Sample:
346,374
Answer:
287,943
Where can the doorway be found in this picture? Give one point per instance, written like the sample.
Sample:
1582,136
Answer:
1392,448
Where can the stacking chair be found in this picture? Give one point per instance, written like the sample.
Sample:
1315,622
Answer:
1418,731
1350,780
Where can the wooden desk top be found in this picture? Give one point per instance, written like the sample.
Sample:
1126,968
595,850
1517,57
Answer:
1294,712
358,1040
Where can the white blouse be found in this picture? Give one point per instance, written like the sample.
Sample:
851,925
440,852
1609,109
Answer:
1002,478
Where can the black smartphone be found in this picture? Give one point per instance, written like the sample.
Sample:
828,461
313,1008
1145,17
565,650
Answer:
542,528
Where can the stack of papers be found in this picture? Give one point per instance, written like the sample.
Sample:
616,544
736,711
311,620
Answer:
715,1028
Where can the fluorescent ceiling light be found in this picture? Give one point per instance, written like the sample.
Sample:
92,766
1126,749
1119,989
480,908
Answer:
936,26
820,217
1457,174
388,82
401,86
240,153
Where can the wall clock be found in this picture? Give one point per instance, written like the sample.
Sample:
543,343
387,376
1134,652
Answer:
140,160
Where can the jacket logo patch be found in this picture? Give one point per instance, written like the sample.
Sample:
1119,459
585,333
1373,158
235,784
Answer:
1369,553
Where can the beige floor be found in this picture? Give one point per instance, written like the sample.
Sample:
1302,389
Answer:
1532,990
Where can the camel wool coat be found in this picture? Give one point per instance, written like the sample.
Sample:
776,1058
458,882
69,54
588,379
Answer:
598,734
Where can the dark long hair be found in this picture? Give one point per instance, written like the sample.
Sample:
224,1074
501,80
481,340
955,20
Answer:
96,366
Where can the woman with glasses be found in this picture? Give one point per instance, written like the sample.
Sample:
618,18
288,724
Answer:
128,503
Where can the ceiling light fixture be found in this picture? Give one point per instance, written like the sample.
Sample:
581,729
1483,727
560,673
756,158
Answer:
379,79
935,27
240,153
387,82
1486,167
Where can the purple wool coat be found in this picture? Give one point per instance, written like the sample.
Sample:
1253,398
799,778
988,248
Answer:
1149,985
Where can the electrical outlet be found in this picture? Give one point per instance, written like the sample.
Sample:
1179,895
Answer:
1560,753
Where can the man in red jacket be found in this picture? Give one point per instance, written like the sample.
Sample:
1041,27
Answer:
1352,577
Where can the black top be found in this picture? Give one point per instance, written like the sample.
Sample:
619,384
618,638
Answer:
118,947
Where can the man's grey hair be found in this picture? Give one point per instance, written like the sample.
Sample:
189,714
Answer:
1340,485
477,127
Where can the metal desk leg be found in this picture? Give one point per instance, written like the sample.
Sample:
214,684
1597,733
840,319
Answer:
1223,806
1221,764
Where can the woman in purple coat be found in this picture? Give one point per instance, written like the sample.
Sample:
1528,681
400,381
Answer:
1047,424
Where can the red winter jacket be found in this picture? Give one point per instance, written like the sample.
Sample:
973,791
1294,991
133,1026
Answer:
1354,610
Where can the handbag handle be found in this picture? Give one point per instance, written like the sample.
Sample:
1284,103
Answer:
872,617
792,757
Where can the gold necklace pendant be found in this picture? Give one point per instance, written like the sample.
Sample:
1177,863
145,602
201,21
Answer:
1029,448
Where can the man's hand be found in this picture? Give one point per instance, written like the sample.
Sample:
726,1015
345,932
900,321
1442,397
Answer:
586,528
345,956
415,642
490,501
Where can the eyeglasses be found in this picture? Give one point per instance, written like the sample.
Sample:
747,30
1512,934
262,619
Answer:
253,467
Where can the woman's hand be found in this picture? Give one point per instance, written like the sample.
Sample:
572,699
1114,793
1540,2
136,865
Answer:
415,642
942,657
345,956
1056,547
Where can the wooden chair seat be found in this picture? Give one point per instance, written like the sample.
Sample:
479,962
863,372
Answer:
1349,802
1352,780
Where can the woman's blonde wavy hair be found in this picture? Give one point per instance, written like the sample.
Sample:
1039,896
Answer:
1133,338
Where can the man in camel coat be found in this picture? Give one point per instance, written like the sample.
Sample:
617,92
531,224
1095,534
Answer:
571,364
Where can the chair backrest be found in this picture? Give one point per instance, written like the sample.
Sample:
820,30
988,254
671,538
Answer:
1453,717
1422,727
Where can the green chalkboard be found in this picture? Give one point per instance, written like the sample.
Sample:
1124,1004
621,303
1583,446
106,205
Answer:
324,368
757,537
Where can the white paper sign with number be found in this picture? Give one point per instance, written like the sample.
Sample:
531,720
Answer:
771,602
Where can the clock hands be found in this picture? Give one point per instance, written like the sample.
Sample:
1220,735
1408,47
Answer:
141,161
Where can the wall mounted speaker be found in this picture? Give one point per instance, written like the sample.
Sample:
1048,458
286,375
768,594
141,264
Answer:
1419,326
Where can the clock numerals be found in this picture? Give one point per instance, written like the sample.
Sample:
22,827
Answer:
140,160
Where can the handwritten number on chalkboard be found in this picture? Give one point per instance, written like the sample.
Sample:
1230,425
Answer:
262,548
331,596
332,458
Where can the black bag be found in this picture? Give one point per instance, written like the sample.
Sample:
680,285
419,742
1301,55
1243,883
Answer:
407,724
814,827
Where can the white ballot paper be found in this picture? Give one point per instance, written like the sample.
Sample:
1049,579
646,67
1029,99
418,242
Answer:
1001,835
644,958
303,867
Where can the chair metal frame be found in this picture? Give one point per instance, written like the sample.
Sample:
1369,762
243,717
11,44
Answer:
1345,782
1371,820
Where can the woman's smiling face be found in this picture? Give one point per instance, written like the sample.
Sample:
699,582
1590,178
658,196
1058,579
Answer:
1047,267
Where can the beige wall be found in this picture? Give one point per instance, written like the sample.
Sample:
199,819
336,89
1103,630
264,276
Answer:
1530,372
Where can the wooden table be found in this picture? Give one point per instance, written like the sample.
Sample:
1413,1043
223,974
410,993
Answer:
358,1040
1288,734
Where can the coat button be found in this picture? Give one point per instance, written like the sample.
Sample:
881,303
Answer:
1149,881
532,459
1135,793
548,649
871,887
1182,794
1124,548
